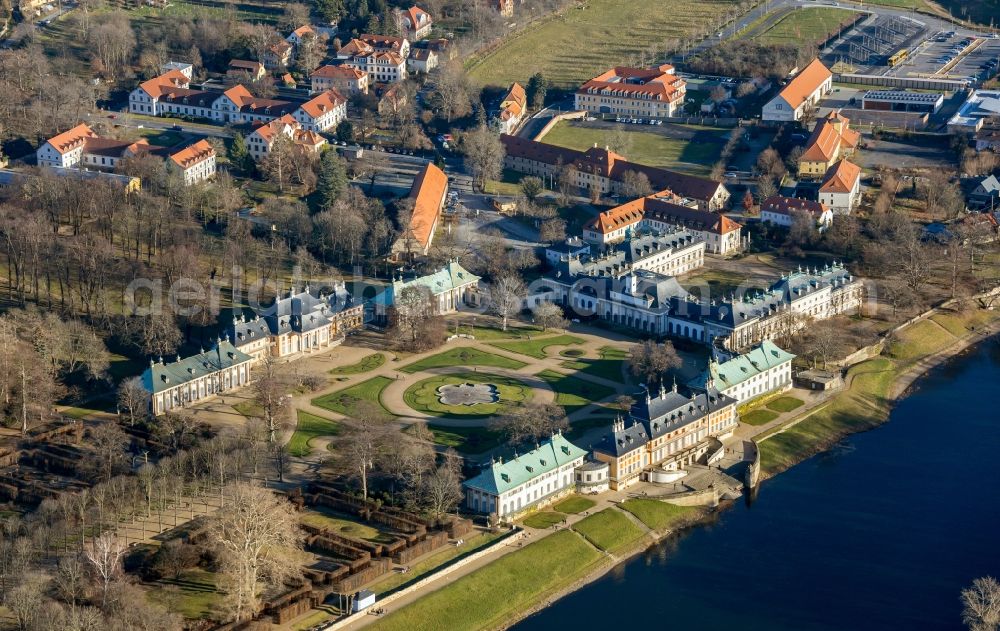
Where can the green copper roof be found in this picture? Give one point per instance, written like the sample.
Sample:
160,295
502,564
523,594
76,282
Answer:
501,477
743,367
162,376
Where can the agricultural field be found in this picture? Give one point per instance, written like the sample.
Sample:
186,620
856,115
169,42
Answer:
589,37
694,151
813,24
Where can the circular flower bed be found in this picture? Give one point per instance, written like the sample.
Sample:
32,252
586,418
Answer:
426,395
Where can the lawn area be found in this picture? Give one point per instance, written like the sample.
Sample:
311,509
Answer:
920,339
161,138
423,395
785,404
721,283
694,155
544,519
343,401
488,333
367,364
574,504
536,348
563,47
759,417
573,393
580,427
309,426
249,408
655,514
193,595
463,357
809,25
466,440
493,594
609,366
610,530
960,323
861,407
431,563
320,517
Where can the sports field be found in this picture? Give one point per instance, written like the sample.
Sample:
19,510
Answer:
592,36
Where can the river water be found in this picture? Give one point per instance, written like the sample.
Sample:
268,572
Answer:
881,532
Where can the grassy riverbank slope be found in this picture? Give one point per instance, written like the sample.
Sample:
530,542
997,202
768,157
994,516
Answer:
873,386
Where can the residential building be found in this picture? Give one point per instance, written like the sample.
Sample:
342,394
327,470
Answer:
978,108
443,48
533,479
344,79
262,139
296,37
573,247
781,211
645,92
244,70
238,105
988,137
803,92
65,149
512,109
195,163
417,22
602,170
322,112
354,47
278,55
428,193
665,431
145,99
421,60
832,139
841,187
391,99
384,67
450,287
902,101
297,323
182,67
387,44
196,378
661,211
761,371
987,193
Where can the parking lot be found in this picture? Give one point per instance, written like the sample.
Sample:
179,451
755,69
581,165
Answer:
952,55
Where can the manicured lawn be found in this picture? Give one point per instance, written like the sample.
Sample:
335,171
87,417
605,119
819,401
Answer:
695,154
489,333
544,519
320,517
920,340
423,395
610,530
861,407
463,357
573,505
536,347
655,514
493,594
309,426
367,364
573,393
193,596
343,401
466,440
759,417
580,427
609,366
785,404
810,25
249,409
587,39
473,542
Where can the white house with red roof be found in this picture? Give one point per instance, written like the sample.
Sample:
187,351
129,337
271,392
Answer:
343,79
841,187
296,37
262,139
512,109
781,211
65,149
416,22
804,91
277,55
646,92
195,163
322,112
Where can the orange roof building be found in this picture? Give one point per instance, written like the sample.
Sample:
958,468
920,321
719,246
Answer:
417,22
644,92
804,91
196,162
841,187
322,112
832,139
344,79
428,193
512,109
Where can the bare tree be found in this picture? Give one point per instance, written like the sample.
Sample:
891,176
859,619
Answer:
549,315
270,394
650,360
531,421
484,155
410,312
505,296
134,398
365,442
981,604
636,184
105,553
259,543
442,487
25,600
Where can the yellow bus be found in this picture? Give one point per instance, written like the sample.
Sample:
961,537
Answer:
898,58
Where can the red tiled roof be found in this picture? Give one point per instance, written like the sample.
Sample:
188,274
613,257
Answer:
193,154
243,64
787,205
158,86
841,178
323,103
661,208
805,83
72,138
428,193
414,13
514,103
383,42
656,83
338,72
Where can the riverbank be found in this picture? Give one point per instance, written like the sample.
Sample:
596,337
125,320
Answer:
875,385
531,579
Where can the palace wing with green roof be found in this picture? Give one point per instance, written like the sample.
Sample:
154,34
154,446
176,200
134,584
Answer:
501,476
